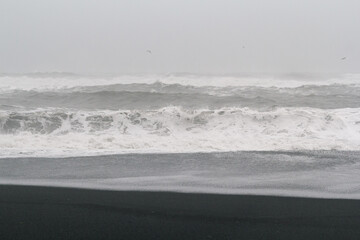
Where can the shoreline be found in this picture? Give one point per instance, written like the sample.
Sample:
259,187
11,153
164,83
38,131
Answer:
34,212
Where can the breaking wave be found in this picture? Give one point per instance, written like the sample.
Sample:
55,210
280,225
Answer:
176,129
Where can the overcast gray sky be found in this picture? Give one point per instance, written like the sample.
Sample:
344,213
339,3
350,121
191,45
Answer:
203,36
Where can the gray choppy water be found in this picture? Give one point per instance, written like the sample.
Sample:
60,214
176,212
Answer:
154,96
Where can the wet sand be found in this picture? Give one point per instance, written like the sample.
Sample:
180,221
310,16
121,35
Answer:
28,212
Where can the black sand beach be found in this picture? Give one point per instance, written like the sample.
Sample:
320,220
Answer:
28,212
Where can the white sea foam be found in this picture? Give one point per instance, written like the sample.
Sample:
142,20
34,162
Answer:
57,132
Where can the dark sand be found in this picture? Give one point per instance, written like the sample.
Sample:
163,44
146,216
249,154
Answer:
64,213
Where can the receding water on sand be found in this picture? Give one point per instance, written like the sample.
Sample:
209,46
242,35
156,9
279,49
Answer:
329,174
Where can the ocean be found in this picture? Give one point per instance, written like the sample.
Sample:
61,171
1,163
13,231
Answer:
68,115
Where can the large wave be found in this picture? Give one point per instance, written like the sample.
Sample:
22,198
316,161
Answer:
176,129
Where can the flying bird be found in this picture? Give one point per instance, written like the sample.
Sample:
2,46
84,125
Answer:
343,58
149,51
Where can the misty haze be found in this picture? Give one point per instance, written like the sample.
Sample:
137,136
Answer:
184,36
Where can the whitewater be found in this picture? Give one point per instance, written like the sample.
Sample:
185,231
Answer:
59,114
